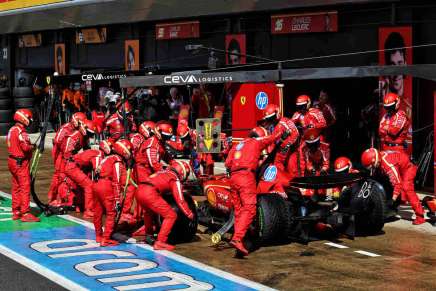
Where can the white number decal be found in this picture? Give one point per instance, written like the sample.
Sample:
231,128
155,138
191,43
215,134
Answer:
365,190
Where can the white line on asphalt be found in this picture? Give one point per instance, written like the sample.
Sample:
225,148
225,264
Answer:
336,245
212,270
367,254
56,278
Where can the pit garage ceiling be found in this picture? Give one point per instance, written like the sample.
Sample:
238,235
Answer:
83,13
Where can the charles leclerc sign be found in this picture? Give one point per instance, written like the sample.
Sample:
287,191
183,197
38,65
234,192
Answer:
303,23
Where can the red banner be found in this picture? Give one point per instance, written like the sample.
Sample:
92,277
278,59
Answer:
391,38
303,23
235,43
178,30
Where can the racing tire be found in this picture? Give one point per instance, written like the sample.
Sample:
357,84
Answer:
27,102
4,128
368,203
4,93
5,104
6,116
23,92
184,230
272,221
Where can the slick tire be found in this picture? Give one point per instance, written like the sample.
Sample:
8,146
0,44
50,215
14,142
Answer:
184,229
24,102
4,128
6,116
5,104
4,93
273,220
368,203
23,92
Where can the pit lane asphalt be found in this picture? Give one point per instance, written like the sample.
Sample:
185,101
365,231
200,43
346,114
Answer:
16,277
406,256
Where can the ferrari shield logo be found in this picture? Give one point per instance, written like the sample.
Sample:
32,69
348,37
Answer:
48,79
243,100
208,135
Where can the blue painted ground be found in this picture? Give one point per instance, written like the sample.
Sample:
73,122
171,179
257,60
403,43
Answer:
100,276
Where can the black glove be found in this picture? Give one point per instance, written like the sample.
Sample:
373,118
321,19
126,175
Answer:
285,135
130,163
117,206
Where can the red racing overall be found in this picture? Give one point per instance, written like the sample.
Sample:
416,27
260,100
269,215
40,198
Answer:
115,126
393,131
149,196
71,145
313,118
401,172
64,131
285,151
107,193
20,152
242,162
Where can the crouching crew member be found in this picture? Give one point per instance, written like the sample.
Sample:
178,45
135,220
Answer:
401,172
71,146
242,162
20,152
63,132
149,196
111,174
316,154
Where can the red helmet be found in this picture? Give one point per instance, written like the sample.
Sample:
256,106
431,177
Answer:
126,106
90,126
312,136
105,146
370,158
146,128
123,147
258,131
77,118
303,102
182,130
182,168
23,116
271,112
343,165
391,101
163,130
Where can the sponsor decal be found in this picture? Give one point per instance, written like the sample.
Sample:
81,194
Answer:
243,100
191,79
99,77
261,100
239,146
270,173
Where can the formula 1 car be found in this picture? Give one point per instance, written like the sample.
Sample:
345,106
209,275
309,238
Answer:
359,209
